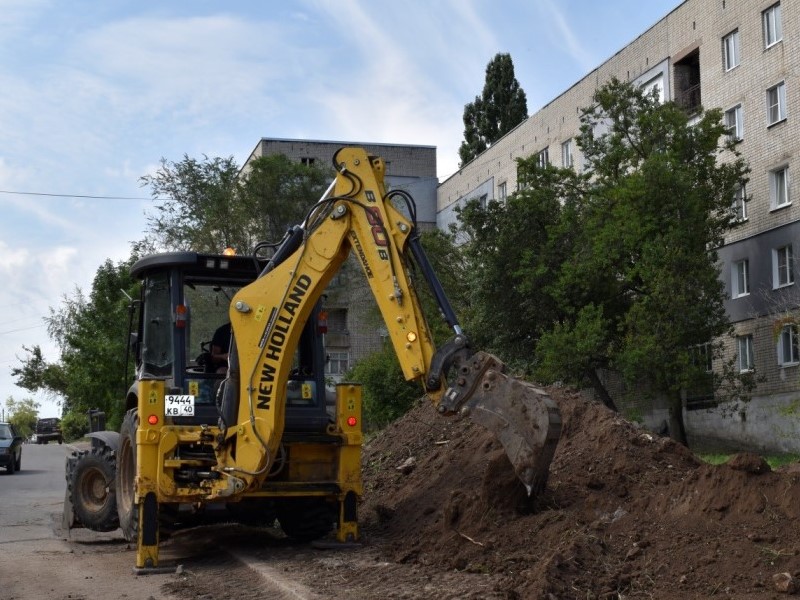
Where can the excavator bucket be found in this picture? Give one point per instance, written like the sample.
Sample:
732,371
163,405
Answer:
523,417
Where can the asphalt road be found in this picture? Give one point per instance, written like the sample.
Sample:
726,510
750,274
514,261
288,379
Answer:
39,561
29,498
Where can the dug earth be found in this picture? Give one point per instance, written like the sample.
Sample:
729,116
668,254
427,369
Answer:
626,514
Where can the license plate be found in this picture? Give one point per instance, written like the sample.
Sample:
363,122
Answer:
176,405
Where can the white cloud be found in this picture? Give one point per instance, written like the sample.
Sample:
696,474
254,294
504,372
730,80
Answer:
566,36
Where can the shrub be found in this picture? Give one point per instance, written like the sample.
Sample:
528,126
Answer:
386,393
74,426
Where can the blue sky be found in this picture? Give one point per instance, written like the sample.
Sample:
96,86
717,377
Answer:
94,94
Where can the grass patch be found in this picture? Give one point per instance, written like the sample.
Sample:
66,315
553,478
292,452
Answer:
774,461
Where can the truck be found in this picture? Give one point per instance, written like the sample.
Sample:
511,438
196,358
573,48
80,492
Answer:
261,439
48,430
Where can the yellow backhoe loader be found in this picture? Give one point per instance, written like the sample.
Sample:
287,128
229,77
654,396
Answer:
258,438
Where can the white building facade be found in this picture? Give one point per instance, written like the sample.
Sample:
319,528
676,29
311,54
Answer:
742,56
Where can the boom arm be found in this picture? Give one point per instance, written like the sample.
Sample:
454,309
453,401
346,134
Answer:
268,315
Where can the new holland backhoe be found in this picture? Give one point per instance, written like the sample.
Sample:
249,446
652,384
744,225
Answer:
258,439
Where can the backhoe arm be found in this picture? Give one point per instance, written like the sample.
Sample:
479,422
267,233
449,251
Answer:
268,316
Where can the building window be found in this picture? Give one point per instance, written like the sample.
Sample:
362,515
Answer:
566,154
502,192
543,158
740,204
745,353
701,357
782,268
307,161
734,123
655,87
773,30
776,103
740,278
730,50
338,363
788,353
779,188
483,201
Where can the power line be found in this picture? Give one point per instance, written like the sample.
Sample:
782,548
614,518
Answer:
76,196
21,329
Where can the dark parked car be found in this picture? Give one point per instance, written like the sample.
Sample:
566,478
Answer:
10,448
47,430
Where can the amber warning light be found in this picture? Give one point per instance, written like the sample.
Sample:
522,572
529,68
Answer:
352,421
180,316
152,419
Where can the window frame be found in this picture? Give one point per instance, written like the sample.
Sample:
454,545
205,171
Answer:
771,25
567,160
782,267
779,188
735,130
740,204
788,338
740,278
731,51
744,350
543,157
778,102
339,358
502,191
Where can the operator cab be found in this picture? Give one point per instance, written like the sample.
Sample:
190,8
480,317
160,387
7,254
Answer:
185,299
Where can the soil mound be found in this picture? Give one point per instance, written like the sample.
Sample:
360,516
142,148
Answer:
626,513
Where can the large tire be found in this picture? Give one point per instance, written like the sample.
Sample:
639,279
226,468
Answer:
19,462
127,509
92,489
10,468
306,519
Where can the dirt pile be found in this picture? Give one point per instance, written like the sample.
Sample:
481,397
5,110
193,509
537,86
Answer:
626,513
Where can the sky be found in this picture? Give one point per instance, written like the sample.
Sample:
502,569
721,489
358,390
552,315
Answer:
94,94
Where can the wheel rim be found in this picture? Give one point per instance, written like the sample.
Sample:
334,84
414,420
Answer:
125,480
93,490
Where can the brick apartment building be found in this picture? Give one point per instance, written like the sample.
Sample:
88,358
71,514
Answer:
742,56
355,328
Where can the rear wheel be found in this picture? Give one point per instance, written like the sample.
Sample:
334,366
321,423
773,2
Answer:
19,461
92,487
127,509
306,519
10,467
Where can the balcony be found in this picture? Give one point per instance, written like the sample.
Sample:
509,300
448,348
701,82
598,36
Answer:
337,338
689,99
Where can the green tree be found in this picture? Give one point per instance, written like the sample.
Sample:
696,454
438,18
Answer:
210,204
513,252
277,192
195,205
641,289
91,333
23,414
501,107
